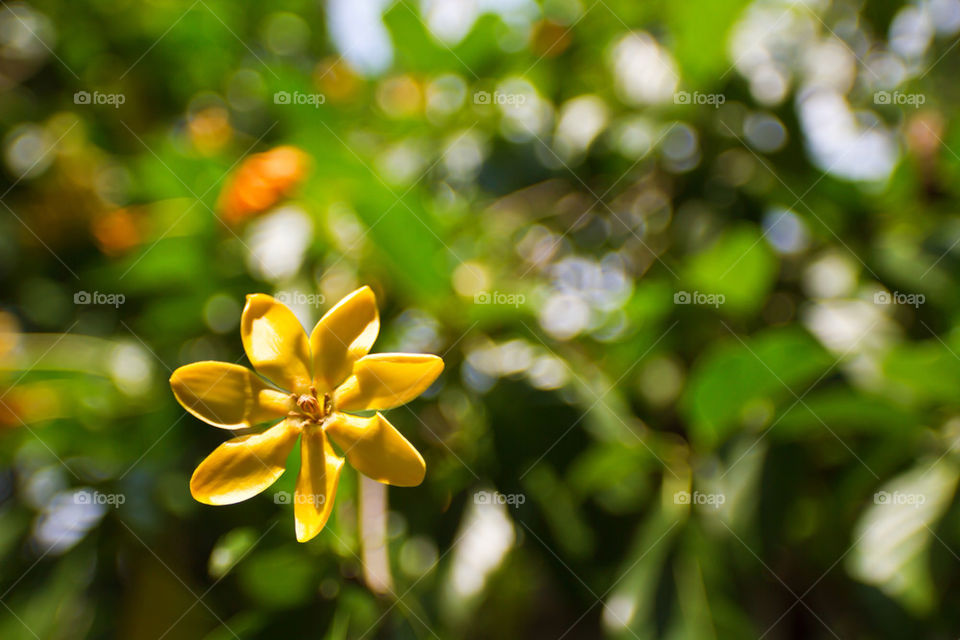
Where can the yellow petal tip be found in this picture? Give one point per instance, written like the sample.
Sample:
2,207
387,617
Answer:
256,298
304,534
303,537
416,482
200,496
436,367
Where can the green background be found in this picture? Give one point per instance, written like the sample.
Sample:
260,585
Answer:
812,422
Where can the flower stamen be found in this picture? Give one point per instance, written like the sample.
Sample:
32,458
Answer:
309,405
315,409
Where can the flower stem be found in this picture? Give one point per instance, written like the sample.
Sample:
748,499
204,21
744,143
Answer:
373,535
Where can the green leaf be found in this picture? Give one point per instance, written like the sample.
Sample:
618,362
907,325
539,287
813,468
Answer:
923,373
735,375
892,538
700,33
617,476
229,550
278,578
561,511
630,609
739,266
847,411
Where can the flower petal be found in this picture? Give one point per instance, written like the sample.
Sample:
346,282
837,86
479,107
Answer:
344,335
386,380
242,467
316,485
227,395
376,449
276,343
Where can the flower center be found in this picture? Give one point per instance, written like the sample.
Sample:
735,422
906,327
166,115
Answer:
314,408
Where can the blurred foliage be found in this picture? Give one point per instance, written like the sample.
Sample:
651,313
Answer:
692,267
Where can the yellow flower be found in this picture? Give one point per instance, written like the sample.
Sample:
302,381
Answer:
319,382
